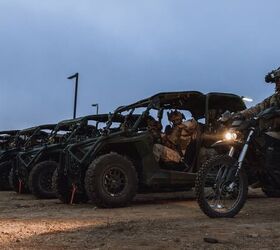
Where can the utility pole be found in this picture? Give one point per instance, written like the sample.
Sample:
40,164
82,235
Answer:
76,76
97,107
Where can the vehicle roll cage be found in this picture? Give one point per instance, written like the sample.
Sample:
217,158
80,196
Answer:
34,132
6,136
197,103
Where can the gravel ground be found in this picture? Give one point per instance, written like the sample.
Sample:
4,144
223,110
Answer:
154,221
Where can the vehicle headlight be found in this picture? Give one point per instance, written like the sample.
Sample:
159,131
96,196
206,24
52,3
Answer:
229,136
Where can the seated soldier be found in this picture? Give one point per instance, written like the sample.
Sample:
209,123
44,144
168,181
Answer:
176,139
154,127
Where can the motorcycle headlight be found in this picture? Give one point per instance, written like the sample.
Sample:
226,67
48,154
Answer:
230,136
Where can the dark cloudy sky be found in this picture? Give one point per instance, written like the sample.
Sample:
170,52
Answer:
127,50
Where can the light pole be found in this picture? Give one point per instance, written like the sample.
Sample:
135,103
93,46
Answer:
97,107
76,76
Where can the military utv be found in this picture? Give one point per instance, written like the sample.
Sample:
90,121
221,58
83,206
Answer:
25,140
36,166
68,183
120,163
6,142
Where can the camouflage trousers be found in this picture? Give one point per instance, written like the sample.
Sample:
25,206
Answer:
166,154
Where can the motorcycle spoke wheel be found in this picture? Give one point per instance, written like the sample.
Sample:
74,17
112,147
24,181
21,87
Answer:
221,194
221,188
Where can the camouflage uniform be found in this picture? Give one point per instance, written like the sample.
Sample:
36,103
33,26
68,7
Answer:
273,125
271,178
175,143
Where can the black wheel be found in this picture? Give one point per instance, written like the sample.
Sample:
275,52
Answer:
64,189
40,180
220,193
111,181
16,184
5,168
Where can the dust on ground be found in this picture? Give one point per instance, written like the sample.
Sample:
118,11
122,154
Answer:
154,221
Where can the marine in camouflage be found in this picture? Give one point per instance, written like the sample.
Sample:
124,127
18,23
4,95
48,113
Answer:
175,141
271,101
274,124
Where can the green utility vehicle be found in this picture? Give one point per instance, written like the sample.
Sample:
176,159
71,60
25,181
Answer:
25,140
6,139
118,164
68,183
36,166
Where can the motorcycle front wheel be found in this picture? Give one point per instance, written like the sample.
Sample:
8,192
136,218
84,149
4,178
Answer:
221,190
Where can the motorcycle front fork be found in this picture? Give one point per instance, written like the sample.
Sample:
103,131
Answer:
243,151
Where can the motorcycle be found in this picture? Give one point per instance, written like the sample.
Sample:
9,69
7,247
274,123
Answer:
222,182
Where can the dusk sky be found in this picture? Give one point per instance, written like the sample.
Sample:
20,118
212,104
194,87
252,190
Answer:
129,50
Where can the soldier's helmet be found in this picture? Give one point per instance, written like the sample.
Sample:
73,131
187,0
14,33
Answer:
176,117
273,76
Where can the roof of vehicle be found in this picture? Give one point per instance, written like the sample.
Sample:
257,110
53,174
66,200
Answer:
98,118
9,132
193,101
233,102
65,124
40,127
161,99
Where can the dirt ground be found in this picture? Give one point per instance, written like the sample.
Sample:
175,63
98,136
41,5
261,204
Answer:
157,221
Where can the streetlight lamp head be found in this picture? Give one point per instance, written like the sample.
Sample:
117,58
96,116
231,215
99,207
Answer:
73,76
97,107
